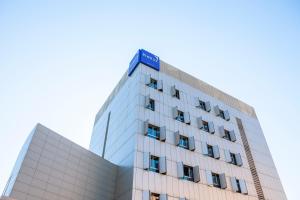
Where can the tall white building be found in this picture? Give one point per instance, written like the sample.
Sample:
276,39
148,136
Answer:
165,135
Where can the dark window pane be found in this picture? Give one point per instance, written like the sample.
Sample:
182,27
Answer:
177,94
153,83
184,142
202,105
180,116
222,115
210,151
233,158
154,164
205,126
227,135
154,196
216,180
153,131
188,173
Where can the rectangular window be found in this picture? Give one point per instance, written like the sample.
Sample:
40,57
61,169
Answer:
233,158
180,116
177,94
153,83
216,180
227,135
154,164
154,196
153,131
210,151
188,173
151,105
205,126
184,142
222,114
202,105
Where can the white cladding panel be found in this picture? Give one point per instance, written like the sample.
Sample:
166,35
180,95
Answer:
163,116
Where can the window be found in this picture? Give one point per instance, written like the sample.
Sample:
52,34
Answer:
233,158
151,105
153,131
227,135
210,151
154,196
238,186
188,173
180,116
205,126
153,83
216,180
177,94
222,114
154,164
202,105
184,142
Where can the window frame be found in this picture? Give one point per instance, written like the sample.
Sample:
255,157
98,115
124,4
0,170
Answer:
216,180
210,151
177,94
185,140
180,116
202,105
154,160
233,158
205,126
190,175
153,129
153,83
154,196
151,105
222,114
227,135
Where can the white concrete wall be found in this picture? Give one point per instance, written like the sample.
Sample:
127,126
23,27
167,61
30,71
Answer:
56,168
123,127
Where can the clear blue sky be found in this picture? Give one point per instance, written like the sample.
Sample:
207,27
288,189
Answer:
59,60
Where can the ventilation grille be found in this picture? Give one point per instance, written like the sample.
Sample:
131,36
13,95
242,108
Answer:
253,170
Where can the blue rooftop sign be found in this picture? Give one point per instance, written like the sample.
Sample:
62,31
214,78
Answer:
145,57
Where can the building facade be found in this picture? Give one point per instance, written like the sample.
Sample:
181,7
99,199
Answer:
168,135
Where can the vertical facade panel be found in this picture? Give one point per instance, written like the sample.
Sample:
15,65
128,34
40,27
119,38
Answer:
147,79
226,115
196,173
217,110
192,143
200,122
177,138
223,181
243,186
146,125
204,148
234,186
146,160
162,133
146,195
162,165
222,131
209,178
160,85
207,106
211,127
180,169
216,151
